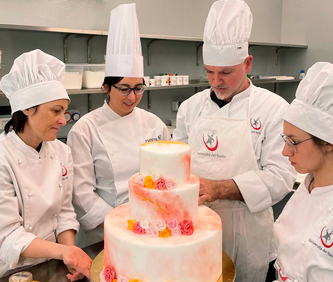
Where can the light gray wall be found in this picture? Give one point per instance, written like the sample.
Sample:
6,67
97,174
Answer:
306,22
183,18
267,16
309,22
173,17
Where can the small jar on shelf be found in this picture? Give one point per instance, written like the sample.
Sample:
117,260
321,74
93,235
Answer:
302,74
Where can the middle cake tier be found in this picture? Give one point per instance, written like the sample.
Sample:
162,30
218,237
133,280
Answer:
179,203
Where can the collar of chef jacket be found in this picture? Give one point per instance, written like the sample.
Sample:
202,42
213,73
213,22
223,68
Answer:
26,149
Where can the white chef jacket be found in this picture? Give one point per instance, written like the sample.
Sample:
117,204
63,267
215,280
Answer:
35,197
303,235
95,194
265,187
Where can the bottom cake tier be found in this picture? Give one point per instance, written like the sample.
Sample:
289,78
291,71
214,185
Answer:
183,258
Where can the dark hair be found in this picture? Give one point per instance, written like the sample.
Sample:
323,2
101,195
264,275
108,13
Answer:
109,81
319,142
18,121
112,80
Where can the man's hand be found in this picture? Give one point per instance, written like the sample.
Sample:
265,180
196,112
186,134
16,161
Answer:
212,190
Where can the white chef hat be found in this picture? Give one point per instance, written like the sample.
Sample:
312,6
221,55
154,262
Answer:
35,78
227,32
312,109
123,52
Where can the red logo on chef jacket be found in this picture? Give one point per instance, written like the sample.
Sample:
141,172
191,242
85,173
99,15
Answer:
256,123
63,171
326,237
282,276
210,140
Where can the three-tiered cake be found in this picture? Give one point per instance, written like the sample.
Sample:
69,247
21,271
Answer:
161,234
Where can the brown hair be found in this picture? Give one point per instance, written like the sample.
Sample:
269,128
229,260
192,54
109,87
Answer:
17,122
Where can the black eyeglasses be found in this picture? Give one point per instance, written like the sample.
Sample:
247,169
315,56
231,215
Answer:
125,90
291,143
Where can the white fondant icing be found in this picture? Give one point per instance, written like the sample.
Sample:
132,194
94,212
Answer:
169,160
192,258
179,257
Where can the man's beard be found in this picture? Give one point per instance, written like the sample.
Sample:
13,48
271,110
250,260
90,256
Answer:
222,95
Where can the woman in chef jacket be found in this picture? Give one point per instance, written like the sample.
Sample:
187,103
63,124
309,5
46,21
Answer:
37,219
304,230
105,142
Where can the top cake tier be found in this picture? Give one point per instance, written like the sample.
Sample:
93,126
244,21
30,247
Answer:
166,159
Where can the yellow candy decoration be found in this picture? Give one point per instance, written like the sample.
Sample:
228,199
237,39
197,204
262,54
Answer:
130,224
149,182
165,233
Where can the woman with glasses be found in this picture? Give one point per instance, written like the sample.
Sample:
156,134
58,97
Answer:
105,142
304,230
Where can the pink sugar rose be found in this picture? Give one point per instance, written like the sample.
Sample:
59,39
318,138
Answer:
176,231
138,229
170,184
109,273
152,232
172,224
159,224
122,279
187,227
160,184
140,180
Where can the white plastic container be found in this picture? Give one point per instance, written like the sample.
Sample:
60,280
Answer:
186,79
157,80
93,75
179,80
173,80
23,276
165,80
152,82
73,76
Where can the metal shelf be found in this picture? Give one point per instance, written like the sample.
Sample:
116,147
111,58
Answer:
148,36
280,45
270,81
191,85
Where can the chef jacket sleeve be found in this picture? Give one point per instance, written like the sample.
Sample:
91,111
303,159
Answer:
166,134
321,273
181,132
90,208
275,177
13,238
67,217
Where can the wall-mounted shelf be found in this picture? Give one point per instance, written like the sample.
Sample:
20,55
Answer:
191,85
153,38
148,36
280,45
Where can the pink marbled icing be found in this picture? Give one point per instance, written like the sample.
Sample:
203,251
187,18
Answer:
171,204
194,258
209,221
186,161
